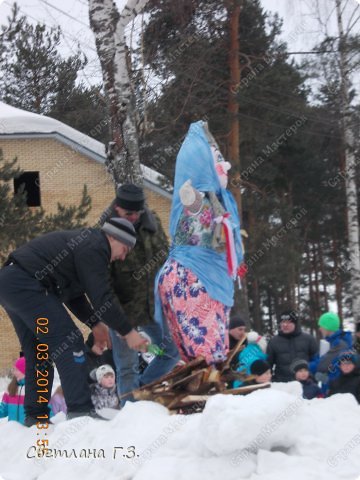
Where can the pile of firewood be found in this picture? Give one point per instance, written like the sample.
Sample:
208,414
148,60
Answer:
187,388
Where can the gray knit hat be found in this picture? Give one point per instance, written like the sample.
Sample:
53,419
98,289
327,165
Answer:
298,364
103,370
122,230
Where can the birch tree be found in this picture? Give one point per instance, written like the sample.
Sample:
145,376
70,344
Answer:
350,165
338,63
108,25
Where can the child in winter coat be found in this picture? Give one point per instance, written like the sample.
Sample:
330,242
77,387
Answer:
57,401
254,350
357,338
326,367
300,368
12,404
103,393
349,379
262,372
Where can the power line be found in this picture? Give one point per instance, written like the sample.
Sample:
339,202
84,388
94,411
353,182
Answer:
64,34
311,53
276,109
65,13
285,112
83,70
261,120
83,3
74,18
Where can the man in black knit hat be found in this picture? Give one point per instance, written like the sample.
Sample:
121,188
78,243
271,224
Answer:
65,268
133,282
289,344
237,331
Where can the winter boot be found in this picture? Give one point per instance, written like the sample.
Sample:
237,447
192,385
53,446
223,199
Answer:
31,421
90,413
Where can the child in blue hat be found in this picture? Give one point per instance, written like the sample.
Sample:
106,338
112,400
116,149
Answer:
349,379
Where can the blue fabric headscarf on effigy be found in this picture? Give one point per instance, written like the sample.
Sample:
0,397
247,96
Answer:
195,161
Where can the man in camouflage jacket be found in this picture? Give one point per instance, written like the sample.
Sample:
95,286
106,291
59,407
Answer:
133,282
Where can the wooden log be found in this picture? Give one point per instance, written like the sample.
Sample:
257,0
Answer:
176,401
176,374
196,377
196,402
230,376
246,389
213,376
237,349
179,372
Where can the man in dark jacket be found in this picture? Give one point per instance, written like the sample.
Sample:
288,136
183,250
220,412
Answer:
40,277
288,345
133,282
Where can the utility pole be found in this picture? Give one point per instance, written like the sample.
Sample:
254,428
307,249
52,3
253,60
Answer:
233,103
234,11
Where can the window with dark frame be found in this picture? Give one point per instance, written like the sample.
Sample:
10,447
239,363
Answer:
31,182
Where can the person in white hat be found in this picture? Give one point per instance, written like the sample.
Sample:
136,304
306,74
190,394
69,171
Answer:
103,393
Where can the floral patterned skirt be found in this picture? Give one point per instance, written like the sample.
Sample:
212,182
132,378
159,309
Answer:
199,325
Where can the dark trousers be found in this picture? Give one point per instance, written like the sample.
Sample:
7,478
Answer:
25,301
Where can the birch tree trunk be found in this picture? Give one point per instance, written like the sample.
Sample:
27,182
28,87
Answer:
350,170
338,280
108,25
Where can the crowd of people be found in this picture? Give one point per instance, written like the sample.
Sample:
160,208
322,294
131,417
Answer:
124,282
292,354
101,382
334,370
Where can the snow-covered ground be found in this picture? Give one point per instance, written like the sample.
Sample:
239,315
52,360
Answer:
271,434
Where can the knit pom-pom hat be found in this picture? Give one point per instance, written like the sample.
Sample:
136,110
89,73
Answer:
20,364
330,321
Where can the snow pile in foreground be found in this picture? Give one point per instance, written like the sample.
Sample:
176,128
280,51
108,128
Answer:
271,434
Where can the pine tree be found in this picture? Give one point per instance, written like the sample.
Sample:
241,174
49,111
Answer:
187,46
339,228
85,109
35,77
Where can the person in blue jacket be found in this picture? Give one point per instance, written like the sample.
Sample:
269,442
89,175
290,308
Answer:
349,378
327,367
254,350
12,404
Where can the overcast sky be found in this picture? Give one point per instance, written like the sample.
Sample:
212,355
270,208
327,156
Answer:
301,29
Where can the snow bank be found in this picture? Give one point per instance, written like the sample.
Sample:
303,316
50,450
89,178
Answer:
270,434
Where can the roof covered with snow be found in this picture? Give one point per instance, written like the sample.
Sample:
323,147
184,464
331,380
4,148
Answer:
17,123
